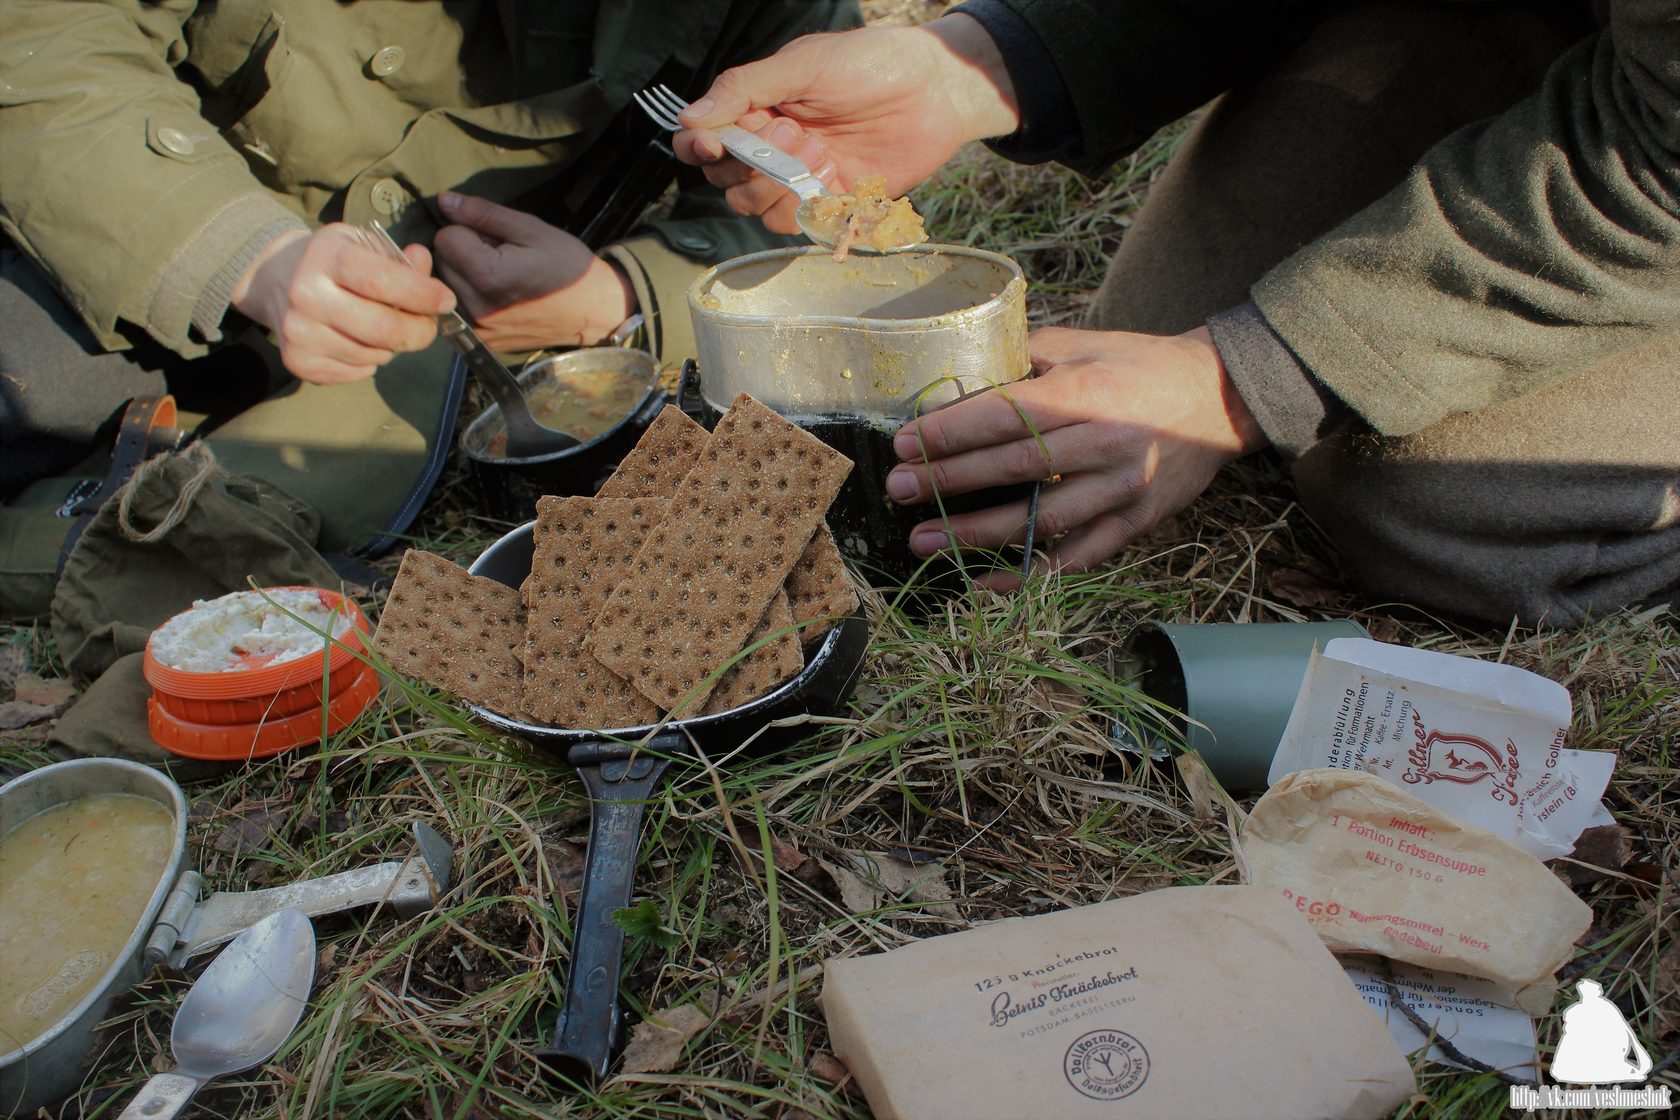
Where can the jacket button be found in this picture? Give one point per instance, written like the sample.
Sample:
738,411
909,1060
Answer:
695,243
388,197
175,141
386,61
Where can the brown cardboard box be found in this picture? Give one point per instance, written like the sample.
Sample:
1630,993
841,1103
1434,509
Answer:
1184,1002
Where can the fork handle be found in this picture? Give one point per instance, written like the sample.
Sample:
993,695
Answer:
759,153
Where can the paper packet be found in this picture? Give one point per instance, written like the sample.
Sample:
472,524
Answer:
1187,1001
1478,740
1477,1017
1375,870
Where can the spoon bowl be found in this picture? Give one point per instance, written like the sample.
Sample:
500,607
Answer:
238,1014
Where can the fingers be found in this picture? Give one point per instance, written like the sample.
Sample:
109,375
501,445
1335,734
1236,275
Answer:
755,85
1019,410
501,223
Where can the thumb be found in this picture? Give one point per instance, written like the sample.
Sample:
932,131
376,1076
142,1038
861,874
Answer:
489,218
741,89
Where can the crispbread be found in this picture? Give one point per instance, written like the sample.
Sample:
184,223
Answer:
765,667
459,632
699,586
817,588
654,467
581,549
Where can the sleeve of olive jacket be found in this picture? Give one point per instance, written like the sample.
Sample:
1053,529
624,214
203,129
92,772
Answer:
663,258
99,144
1518,252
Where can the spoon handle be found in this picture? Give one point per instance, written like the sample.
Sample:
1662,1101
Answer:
161,1098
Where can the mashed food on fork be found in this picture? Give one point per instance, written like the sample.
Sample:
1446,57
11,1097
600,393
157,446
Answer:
866,218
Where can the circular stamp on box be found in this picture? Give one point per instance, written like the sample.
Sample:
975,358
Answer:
1106,1065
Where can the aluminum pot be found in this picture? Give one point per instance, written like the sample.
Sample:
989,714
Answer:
510,487
852,350
176,924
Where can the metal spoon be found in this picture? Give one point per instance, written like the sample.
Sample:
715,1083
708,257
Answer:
527,438
237,1014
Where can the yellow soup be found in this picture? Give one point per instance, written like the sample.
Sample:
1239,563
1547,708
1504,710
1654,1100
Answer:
74,881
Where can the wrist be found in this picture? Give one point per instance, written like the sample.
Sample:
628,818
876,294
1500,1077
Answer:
251,295
619,303
1245,432
974,77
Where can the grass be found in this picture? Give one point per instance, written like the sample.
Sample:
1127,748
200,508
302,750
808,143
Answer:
974,755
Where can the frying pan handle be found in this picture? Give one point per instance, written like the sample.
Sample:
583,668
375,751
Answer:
619,787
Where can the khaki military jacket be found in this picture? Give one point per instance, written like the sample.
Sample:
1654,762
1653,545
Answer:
148,150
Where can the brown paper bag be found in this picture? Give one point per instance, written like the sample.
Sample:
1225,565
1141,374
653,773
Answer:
1189,1001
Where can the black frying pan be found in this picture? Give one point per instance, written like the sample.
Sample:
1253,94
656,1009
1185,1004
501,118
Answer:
620,778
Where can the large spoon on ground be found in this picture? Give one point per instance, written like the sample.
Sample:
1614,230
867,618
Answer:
237,1014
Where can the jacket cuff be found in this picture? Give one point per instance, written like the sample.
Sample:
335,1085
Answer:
1292,407
183,304
1049,120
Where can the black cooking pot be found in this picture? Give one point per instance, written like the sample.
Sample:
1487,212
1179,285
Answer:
511,487
620,768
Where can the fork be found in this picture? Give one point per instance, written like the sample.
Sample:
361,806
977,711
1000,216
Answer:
659,103
526,437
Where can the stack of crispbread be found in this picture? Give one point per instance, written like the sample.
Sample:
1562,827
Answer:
689,585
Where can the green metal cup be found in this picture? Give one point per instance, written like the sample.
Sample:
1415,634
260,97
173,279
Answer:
1231,685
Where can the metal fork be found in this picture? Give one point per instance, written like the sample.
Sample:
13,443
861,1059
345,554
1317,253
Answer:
659,103
526,438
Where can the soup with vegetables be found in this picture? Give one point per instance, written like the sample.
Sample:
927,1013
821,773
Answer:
74,881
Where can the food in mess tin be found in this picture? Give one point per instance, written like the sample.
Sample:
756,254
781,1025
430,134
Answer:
866,218
584,403
722,540
74,882
249,630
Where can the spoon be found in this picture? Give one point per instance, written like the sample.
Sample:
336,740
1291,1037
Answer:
237,1014
527,438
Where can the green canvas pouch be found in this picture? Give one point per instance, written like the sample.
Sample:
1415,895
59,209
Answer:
180,530
109,721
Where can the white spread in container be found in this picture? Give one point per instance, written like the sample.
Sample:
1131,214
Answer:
248,630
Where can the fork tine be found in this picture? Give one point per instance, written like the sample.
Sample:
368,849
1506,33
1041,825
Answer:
670,101
659,115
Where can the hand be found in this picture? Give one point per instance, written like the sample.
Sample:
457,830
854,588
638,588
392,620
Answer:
524,283
1135,425
894,100
338,309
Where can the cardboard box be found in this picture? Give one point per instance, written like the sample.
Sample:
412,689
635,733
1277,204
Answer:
1189,1001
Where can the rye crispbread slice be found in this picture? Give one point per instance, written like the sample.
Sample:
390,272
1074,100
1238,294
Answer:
656,465
761,670
817,588
699,586
581,549
456,631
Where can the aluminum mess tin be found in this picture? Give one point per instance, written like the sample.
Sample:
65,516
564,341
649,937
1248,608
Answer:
883,335
177,924
510,487
50,1066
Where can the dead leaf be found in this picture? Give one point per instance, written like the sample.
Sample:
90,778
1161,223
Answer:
15,714
857,894
1300,589
48,693
13,661
657,1042
787,857
826,1067
252,825
1200,784
565,862
1605,848
917,882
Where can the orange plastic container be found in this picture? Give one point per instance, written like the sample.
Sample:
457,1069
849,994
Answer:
254,713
